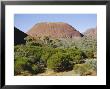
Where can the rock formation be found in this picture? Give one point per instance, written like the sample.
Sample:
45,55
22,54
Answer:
54,29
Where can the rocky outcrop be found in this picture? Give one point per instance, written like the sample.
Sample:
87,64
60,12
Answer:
54,29
91,32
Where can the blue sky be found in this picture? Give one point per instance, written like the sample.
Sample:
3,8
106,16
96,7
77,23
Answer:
81,22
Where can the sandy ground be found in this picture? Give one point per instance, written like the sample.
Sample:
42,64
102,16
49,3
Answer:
52,73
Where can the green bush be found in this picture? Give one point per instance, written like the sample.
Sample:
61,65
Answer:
27,51
32,62
38,68
89,53
75,55
59,62
20,64
87,44
58,59
92,63
36,64
81,69
33,41
88,68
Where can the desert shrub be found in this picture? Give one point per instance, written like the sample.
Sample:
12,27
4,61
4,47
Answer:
27,51
75,55
56,58
87,68
59,62
36,64
64,58
34,44
87,44
45,57
33,41
82,69
20,64
89,53
32,62
20,51
38,68
92,63
47,52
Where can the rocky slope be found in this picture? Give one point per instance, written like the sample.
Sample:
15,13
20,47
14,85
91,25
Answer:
91,32
54,29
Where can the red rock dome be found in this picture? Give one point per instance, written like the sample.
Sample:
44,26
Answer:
54,29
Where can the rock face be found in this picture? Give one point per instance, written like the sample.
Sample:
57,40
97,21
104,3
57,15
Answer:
91,32
54,29
19,36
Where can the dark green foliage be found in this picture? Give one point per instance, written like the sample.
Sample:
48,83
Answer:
20,64
32,61
75,54
64,59
59,62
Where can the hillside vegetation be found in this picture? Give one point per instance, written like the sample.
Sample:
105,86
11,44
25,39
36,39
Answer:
38,55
